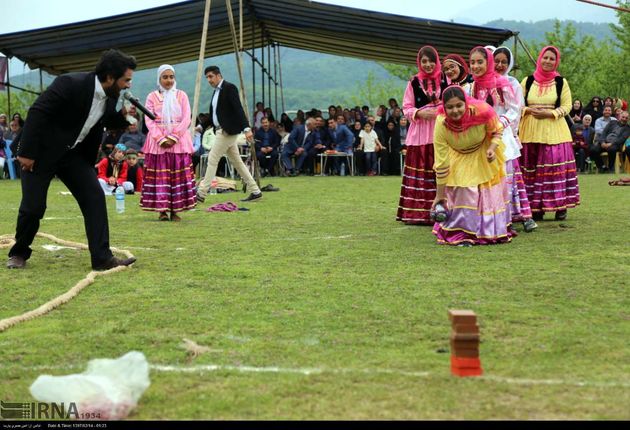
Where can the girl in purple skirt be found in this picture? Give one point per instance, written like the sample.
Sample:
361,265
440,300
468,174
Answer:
169,186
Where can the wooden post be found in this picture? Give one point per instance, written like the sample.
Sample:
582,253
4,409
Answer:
280,73
202,52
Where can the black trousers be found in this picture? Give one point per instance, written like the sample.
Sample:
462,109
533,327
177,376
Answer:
80,178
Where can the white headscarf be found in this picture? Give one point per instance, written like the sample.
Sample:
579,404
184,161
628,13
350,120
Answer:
511,65
170,108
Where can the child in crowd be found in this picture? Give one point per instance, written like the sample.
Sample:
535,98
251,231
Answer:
134,171
112,171
370,145
580,147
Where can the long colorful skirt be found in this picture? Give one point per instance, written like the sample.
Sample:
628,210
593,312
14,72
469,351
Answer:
519,204
418,189
477,215
550,176
169,184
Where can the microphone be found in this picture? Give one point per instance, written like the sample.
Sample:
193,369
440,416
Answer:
134,101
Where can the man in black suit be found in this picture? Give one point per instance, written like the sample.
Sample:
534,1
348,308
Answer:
227,117
61,137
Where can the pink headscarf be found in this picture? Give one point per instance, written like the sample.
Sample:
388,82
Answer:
490,79
477,112
432,79
545,78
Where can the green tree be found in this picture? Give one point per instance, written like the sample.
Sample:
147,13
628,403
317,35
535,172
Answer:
622,42
21,101
590,67
375,92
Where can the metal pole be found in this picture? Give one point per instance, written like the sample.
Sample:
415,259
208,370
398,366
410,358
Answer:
275,78
254,66
280,73
515,53
269,73
9,88
262,72
252,151
240,24
619,8
41,81
202,51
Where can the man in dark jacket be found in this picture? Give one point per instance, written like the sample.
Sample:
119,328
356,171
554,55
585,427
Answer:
61,137
228,119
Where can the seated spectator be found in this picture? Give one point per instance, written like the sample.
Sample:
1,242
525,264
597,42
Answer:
269,116
341,139
15,126
403,127
580,146
110,139
612,140
359,155
267,144
286,122
324,143
370,145
393,104
576,112
301,139
133,138
259,114
135,173
594,108
4,125
602,122
390,153
112,171
618,113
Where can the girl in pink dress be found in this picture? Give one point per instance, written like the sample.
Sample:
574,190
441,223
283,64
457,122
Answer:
422,98
169,186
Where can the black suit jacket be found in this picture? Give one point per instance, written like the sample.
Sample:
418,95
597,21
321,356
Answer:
230,112
56,118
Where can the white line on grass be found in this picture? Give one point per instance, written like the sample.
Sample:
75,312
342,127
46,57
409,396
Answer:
307,371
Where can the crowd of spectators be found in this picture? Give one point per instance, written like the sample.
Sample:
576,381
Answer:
374,137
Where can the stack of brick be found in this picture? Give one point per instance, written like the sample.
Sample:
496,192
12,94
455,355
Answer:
464,343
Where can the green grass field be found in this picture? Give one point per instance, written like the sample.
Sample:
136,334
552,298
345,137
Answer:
320,276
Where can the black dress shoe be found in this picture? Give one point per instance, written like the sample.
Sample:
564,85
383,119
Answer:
114,262
16,262
252,197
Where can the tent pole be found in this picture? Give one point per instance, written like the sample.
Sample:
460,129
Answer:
41,81
252,151
240,24
262,68
9,88
269,73
202,52
515,53
275,77
254,66
280,73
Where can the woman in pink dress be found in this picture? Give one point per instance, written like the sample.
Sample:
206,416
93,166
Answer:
420,104
169,186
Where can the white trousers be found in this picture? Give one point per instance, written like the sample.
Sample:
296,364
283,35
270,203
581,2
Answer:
225,144
108,189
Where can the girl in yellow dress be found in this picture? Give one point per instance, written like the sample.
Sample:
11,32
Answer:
470,172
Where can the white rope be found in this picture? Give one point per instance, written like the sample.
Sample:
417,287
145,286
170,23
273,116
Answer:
7,241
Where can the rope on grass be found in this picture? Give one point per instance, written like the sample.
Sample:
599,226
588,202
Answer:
7,241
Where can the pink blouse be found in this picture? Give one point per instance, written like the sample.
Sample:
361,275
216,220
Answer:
180,130
420,130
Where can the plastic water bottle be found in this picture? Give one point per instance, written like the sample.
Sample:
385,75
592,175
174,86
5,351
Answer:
120,199
213,186
343,169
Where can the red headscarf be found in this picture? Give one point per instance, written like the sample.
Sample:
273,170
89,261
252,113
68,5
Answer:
476,112
544,79
430,80
540,75
490,79
463,67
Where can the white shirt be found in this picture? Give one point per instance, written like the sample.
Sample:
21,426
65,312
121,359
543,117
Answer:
369,140
96,111
215,99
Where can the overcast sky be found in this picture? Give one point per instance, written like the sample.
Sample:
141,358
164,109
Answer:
31,14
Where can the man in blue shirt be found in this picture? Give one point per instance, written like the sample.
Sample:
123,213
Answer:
267,144
342,139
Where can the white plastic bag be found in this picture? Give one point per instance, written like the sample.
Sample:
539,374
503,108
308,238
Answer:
108,390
